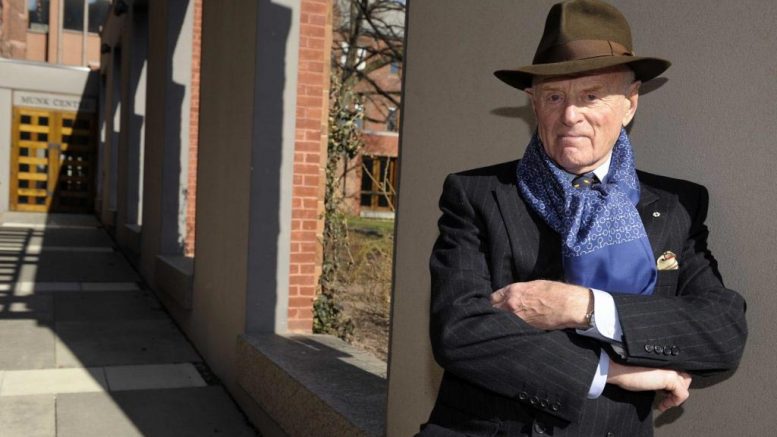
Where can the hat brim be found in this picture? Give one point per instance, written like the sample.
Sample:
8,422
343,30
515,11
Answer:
644,69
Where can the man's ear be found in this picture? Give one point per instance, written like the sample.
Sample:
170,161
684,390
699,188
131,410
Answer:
632,100
530,94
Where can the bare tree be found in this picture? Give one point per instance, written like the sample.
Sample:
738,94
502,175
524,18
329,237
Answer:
368,36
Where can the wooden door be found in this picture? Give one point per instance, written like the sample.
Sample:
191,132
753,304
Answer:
52,161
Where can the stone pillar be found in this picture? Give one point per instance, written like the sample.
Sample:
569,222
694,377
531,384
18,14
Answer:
166,153
133,101
110,124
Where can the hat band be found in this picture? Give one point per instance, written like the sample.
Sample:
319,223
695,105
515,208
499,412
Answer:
581,49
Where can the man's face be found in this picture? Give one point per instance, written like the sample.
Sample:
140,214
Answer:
579,118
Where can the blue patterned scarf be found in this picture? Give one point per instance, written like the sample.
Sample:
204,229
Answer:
603,241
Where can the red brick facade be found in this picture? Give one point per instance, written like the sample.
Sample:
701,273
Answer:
379,140
194,121
13,29
20,40
309,158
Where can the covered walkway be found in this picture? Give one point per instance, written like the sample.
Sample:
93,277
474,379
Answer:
86,349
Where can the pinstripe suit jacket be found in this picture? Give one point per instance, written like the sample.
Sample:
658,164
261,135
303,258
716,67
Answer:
504,377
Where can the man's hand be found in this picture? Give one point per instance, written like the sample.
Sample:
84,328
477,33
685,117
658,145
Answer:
546,304
632,378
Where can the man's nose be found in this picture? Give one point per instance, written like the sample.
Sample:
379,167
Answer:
571,114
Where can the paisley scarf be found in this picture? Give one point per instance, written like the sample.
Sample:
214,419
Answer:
603,241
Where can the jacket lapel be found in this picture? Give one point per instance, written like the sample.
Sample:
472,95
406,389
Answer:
652,214
535,247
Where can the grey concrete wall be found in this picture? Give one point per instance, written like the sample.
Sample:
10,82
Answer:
275,106
165,160
110,148
133,39
248,79
711,121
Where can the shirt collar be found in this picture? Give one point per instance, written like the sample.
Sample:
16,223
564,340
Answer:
600,172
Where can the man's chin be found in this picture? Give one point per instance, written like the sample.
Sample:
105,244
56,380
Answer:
576,166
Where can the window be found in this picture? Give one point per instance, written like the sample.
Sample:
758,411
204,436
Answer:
74,14
379,182
361,55
395,68
39,15
360,120
392,120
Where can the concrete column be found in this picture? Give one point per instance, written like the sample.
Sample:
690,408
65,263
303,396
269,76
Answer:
244,175
275,100
137,78
111,114
131,141
167,130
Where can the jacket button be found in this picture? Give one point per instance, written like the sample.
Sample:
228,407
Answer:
675,350
539,428
535,401
659,349
610,434
667,350
556,406
544,403
648,348
523,396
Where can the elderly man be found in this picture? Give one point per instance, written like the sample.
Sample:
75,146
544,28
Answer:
568,287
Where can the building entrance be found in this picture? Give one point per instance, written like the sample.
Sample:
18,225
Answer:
53,161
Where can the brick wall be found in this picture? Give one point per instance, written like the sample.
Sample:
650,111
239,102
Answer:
309,158
194,119
13,29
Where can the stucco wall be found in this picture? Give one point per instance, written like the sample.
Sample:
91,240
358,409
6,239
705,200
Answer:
711,121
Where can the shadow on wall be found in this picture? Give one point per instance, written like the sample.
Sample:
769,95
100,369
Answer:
267,144
174,191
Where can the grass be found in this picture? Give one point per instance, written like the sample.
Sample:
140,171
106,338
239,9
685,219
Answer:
367,282
382,226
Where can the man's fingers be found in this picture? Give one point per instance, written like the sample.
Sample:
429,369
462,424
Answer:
676,392
498,297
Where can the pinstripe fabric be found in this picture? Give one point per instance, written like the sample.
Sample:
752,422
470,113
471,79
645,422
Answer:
504,377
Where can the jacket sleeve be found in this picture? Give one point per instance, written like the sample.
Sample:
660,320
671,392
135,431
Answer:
695,323
548,370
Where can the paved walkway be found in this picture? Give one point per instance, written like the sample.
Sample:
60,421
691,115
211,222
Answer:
85,351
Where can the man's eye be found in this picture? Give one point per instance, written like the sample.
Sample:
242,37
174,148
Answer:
554,98
591,97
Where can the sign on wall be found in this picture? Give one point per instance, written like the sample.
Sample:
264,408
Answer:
58,102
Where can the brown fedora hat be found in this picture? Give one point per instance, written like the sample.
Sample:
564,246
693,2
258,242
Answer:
581,36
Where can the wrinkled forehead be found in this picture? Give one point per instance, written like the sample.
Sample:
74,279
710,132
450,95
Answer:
619,75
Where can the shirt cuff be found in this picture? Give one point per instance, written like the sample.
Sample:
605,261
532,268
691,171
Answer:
607,325
600,377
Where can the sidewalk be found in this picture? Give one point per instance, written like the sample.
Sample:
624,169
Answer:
85,351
